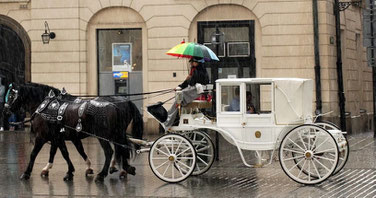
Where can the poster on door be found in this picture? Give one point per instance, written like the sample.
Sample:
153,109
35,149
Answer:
122,57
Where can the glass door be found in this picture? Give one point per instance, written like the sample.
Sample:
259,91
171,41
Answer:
236,51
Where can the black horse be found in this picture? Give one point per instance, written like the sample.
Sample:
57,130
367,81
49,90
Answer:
30,95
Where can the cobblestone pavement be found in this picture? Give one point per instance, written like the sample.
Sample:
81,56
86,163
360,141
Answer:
228,177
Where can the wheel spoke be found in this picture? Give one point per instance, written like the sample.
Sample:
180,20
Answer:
296,165
178,147
293,158
319,152
203,154
172,145
162,152
184,165
159,158
301,139
184,158
168,150
317,171
198,167
179,169
321,164
294,151
313,144
172,172
309,170
166,169
183,152
296,145
203,149
325,158
161,165
199,158
301,169
321,144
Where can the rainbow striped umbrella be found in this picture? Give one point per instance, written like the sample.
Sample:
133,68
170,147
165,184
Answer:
189,50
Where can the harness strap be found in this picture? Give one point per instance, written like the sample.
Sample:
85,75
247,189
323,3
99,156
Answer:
102,138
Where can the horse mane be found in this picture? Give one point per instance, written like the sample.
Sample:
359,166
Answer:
36,91
32,94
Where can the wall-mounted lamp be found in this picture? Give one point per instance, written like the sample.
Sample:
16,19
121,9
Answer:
47,35
217,37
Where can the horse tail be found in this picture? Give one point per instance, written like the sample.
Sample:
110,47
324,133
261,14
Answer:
138,122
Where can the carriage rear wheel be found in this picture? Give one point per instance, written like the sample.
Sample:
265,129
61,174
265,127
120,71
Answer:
344,152
204,149
172,158
308,154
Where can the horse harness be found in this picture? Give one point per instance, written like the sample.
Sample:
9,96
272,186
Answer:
53,111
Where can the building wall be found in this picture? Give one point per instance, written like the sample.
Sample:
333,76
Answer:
283,39
357,76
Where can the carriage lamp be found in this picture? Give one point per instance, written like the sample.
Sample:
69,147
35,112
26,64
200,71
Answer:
47,35
217,37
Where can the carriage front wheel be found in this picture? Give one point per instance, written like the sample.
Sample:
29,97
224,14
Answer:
172,158
308,154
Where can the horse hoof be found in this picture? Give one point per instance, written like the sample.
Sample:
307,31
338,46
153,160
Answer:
123,175
89,172
25,176
44,173
113,170
131,170
99,179
68,177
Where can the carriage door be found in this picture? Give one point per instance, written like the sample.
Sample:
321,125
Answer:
258,113
230,109
236,50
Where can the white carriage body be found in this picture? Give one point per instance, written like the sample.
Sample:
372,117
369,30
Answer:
279,116
289,102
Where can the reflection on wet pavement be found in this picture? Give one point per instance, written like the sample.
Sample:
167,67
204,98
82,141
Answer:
227,177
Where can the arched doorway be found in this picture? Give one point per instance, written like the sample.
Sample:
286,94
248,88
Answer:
14,52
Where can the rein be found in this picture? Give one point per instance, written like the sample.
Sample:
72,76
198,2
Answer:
135,94
25,121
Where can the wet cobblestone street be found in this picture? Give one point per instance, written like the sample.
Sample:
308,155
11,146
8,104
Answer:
228,177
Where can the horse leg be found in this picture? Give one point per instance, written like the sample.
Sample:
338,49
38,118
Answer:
113,169
125,157
78,144
50,163
64,152
108,155
39,142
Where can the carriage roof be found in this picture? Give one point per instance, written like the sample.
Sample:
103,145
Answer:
291,97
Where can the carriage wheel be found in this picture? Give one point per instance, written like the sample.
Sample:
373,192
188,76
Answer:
344,154
172,158
308,154
204,149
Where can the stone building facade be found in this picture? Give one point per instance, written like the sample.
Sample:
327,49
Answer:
280,44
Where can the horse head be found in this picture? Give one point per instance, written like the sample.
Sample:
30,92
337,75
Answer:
12,102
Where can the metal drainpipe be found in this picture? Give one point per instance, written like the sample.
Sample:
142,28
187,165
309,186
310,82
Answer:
341,94
317,58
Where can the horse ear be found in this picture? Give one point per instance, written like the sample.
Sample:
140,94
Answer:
51,94
63,91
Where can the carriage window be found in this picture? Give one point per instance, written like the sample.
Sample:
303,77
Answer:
258,98
230,97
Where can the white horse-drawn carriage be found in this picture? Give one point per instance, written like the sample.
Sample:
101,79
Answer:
263,115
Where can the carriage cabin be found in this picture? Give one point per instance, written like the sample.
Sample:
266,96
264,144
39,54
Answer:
257,110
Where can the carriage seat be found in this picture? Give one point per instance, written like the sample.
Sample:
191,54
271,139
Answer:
204,101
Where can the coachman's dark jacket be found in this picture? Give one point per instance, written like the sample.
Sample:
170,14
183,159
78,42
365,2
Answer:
199,75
